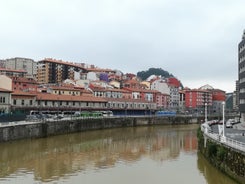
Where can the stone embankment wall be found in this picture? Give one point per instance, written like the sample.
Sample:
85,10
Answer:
226,159
44,129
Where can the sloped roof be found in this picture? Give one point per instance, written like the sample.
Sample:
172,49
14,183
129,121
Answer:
52,97
206,87
5,90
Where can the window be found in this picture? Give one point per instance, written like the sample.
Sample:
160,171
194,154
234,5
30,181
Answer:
30,102
14,102
22,102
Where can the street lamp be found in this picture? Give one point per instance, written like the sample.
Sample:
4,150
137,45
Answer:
206,116
223,105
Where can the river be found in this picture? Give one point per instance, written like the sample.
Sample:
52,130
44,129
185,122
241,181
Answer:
155,154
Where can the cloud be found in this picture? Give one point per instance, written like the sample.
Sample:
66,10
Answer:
193,40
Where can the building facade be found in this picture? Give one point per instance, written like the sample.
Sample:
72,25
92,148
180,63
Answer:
241,77
12,72
24,84
218,97
196,99
55,71
26,64
5,101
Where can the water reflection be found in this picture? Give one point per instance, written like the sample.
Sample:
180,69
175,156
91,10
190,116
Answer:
55,157
211,174
65,156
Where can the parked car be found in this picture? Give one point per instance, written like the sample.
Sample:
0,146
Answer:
228,124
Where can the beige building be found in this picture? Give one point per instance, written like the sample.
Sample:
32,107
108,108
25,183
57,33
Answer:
5,82
61,90
5,94
5,101
23,100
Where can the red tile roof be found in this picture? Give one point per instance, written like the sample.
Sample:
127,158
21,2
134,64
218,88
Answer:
141,90
5,90
62,62
52,97
76,65
127,100
11,70
22,93
64,88
173,82
24,80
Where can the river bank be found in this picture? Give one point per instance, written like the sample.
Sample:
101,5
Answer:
226,159
27,130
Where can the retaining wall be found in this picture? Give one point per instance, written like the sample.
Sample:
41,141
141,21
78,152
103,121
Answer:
47,128
226,159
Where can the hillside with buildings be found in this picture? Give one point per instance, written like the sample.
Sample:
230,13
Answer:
51,84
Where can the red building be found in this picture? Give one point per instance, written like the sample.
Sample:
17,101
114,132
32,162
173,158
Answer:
218,95
173,82
195,99
24,84
161,100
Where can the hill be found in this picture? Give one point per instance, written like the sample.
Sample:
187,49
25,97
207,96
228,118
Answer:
153,71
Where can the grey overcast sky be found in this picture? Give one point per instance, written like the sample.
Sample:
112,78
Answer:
195,40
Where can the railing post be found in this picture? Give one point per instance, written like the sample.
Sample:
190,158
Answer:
223,103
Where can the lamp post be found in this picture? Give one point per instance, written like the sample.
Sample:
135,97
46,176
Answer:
223,105
206,116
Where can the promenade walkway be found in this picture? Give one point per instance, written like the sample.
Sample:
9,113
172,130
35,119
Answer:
234,137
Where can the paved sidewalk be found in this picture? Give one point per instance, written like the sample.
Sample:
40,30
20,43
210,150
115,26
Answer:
239,126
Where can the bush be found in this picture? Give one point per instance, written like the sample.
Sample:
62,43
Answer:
212,150
221,152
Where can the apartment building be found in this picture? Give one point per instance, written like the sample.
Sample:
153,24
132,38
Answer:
174,87
241,76
218,97
195,100
55,71
25,64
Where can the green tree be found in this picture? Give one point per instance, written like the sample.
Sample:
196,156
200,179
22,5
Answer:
153,71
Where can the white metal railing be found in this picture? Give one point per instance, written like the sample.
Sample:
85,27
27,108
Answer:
223,140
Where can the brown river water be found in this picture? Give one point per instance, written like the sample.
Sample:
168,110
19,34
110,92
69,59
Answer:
140,155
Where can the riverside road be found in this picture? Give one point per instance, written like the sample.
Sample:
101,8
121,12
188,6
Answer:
237,132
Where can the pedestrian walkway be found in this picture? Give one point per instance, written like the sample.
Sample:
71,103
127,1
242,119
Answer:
233,138
239,126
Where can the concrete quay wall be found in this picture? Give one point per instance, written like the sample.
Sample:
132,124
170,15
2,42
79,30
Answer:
50,128
227,159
